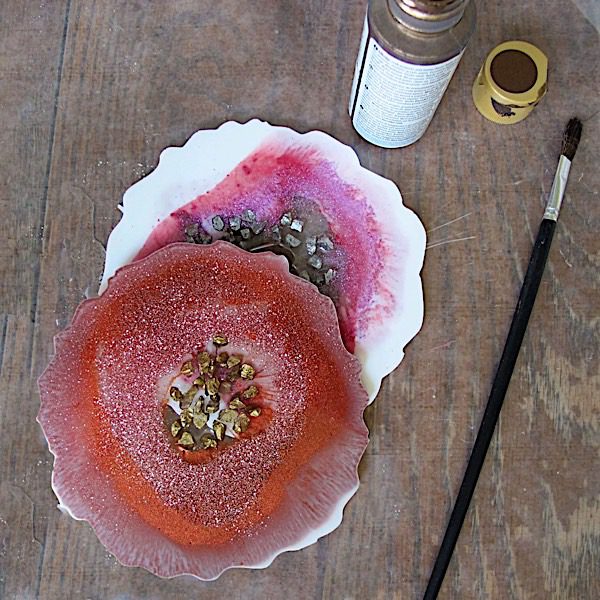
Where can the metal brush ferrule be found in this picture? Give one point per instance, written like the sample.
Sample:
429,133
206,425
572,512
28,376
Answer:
558,188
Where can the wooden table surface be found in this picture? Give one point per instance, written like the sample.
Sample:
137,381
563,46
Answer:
91,92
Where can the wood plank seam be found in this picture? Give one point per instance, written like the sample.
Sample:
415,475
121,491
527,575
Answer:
40,243
3,340
40,233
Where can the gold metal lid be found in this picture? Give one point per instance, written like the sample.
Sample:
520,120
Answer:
512,80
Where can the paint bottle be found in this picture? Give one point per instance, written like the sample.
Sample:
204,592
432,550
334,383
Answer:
408,53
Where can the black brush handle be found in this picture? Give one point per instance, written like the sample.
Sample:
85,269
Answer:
531,283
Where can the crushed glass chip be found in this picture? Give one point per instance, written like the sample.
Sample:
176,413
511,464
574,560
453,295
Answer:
257,227
228,415
247,371
218,223
315,261
291,241
324,243
186,440
251,392
236,403
248,216
241,423
200,419
220,340
219,430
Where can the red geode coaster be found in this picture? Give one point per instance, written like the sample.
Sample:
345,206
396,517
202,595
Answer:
137,371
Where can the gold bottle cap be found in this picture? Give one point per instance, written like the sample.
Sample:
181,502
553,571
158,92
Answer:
512,80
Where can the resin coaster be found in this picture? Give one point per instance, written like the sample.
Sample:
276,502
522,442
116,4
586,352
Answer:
198,422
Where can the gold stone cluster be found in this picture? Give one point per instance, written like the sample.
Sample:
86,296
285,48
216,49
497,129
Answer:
201,419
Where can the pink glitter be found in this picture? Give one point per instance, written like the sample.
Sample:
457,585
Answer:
276,179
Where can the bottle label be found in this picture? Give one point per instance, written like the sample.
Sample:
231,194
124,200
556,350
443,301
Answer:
393,101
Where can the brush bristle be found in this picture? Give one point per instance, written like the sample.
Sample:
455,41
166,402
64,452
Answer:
571,138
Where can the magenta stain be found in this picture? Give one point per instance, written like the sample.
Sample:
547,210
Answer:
281,179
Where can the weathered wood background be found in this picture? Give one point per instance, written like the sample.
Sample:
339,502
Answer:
91,92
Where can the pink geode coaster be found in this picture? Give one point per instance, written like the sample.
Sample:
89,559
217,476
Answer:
306,196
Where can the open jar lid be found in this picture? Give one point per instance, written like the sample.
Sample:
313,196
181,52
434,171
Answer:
511,82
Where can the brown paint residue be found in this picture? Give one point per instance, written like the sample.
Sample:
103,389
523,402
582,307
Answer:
514,71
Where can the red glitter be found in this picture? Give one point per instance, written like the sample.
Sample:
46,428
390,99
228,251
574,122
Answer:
116,465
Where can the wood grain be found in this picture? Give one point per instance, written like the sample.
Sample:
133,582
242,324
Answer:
31,42
92,91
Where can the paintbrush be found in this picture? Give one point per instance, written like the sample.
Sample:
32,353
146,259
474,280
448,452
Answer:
531,283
